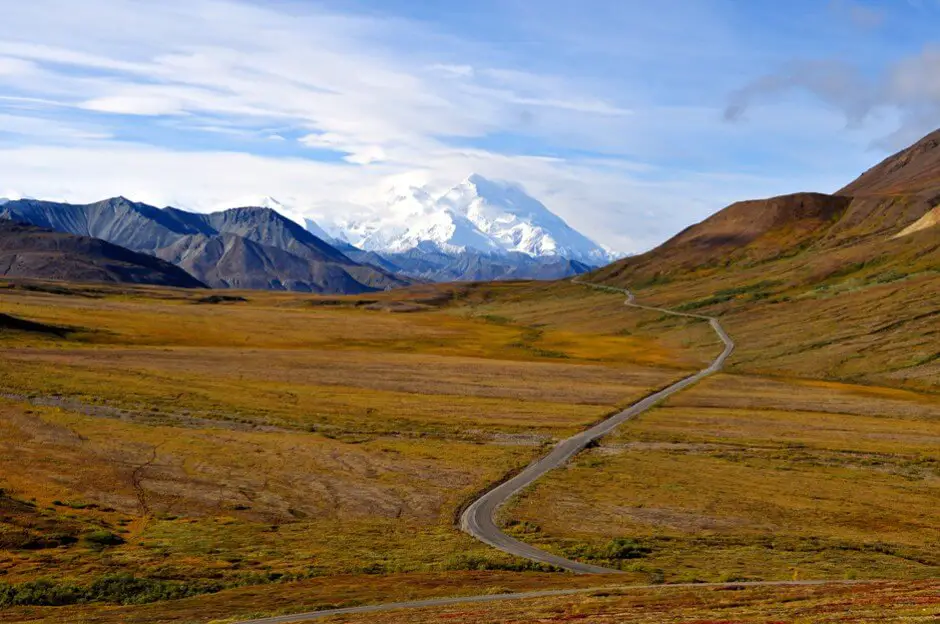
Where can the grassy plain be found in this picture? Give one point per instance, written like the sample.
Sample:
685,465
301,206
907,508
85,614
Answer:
911,602
154,445
907,603
864,310
752,478
288,452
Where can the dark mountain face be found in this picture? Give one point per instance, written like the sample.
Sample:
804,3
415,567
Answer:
230,261
238,248
27,251
264,226
435,266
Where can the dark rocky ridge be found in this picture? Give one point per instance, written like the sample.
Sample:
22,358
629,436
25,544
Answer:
27,251
238,248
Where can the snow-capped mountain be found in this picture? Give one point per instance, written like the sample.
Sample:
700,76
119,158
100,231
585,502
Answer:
476,230
477,215
413,219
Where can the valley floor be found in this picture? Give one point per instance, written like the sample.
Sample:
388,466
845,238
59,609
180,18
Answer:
190,459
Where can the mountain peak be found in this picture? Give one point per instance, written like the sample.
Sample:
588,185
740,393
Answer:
407,195
254,201
269,202
120,200
485,187
477,215
476,179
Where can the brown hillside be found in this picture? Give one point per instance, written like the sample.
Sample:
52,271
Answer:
884,201
842,286
748,231
915,169
929,220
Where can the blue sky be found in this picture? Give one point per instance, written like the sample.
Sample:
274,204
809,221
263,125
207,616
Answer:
630,119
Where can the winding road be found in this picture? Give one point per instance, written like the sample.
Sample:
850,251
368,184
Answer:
478,519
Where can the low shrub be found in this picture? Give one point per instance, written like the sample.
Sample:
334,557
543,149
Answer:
102,539
114,588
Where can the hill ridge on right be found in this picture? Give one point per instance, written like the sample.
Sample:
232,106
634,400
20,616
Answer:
852,277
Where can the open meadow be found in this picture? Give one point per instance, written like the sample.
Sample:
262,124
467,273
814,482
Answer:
753,478
179,456
158,444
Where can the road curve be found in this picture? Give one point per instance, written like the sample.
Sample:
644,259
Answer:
444,602
478,519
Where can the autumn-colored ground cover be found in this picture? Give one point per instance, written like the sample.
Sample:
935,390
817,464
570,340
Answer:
751,478
154,445
907,603
262,455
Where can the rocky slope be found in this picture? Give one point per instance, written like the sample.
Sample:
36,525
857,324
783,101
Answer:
858,223
248,247
27,251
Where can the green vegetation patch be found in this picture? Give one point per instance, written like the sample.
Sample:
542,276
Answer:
113,588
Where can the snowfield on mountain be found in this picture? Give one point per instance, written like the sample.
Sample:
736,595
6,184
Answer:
477,215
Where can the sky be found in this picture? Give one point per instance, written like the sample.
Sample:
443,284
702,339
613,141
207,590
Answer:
630,119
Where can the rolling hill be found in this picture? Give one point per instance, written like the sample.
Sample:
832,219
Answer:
842,285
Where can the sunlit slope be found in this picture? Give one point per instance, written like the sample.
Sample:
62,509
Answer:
842,285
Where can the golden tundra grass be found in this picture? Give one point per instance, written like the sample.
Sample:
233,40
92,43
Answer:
908,602
756,478
284,437
316,439
901,603
870,320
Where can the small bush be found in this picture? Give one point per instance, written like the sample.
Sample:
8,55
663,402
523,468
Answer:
621,548
618,549
476,562
102,539
41,593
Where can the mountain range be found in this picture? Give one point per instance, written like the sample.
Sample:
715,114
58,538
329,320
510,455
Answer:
237,248
479,230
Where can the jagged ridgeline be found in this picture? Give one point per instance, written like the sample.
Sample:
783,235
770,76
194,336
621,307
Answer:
479,230
239,248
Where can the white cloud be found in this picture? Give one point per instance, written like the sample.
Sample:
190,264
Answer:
135,105
35,129
453,71
10,66
391,98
